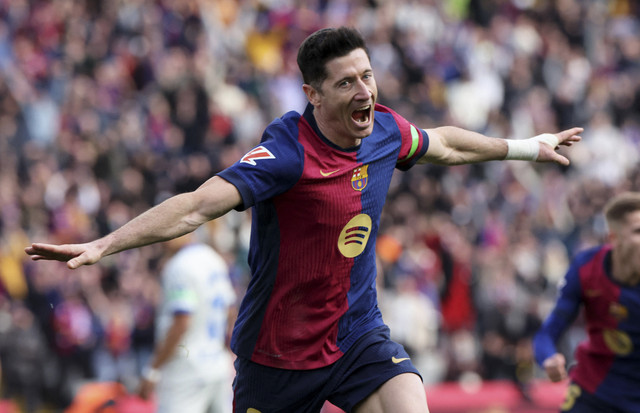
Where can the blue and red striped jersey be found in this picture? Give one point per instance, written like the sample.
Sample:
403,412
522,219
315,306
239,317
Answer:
315,214
608,361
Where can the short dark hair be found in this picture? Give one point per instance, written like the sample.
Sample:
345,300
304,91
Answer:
324,45
621,205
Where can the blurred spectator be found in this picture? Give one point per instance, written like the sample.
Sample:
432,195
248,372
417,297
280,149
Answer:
23,354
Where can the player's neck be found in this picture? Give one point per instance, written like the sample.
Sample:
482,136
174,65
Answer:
624,274
333,134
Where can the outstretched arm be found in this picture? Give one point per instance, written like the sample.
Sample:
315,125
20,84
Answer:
172,218
449,145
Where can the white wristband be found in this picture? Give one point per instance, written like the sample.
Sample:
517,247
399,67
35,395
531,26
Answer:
548,138
151,374
528,149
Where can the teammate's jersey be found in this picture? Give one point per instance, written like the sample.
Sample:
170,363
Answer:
196,281
316,211
608,362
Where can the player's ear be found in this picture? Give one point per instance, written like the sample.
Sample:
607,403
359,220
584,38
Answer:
313,95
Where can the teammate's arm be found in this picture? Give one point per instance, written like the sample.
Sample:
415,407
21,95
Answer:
172,218
563,314
450,145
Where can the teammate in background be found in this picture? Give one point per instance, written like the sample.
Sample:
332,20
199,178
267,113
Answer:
309,328
605,280
191,367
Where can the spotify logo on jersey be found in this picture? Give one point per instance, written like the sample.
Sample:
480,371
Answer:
354,236
618,341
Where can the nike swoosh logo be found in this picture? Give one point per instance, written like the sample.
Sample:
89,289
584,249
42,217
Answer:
397,360
328,173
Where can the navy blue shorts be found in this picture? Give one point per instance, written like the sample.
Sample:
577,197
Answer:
579,400
370,362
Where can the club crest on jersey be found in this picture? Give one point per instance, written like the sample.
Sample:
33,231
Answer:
256,154
360,178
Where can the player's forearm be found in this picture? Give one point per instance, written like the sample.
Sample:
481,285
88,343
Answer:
543,346
168,345
172,218
456,146
163,352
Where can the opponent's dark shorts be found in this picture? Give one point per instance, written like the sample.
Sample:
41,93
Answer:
579,400
370,362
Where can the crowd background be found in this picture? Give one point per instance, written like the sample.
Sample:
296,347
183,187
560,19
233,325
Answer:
109,107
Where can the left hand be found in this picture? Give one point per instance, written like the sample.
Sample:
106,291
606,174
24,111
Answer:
567,138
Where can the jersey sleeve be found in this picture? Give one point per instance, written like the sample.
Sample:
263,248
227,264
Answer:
415,141
414,146
269,169
564,313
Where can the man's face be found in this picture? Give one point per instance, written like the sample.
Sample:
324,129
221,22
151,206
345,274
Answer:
626,242
343,105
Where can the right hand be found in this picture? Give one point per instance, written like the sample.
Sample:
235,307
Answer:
555,367
75,255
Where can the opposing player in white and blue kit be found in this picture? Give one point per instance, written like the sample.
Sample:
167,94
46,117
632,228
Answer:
191,368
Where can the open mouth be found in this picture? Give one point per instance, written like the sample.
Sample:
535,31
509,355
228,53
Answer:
362,115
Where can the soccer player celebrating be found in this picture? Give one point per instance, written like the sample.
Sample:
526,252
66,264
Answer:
309,328
605,280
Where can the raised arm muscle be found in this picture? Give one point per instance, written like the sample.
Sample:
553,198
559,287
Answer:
449,145
175,216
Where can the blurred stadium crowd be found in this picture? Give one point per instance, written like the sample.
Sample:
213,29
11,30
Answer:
108,107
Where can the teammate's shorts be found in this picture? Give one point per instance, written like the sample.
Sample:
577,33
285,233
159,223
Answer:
579,400
369,363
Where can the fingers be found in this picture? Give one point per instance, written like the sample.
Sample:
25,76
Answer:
37,252
38,248
569,136
47,251
75,263
562,160
72,254
548,154
31,251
